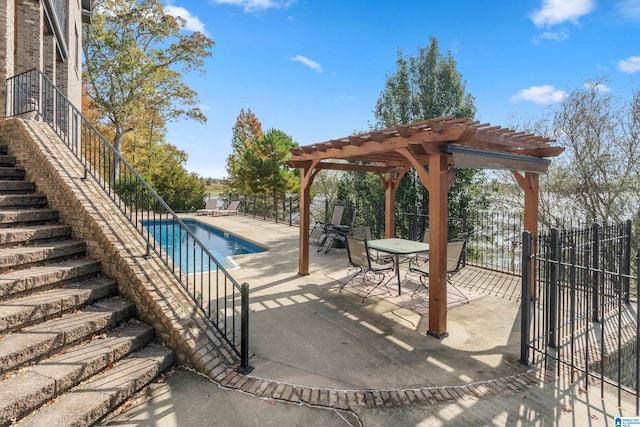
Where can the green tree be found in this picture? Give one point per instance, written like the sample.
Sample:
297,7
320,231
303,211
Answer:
262,166
135,57
424,86
162,165
246,131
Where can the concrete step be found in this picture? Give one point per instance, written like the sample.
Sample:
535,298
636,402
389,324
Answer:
13,217
89,402
11,173
28,235
36,385
28,310
10,187
25,256
39,341
42,277
24,201
6,160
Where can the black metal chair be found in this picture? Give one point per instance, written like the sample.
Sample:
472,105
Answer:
360,258
455,258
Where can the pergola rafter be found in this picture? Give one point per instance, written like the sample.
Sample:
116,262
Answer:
435,148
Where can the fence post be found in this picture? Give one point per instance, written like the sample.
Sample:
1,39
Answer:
264,208
526,301
552,308
572,302
275,206
290,211
414,223
244,368
254,205
595,262
626,267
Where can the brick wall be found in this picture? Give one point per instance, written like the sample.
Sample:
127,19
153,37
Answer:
93,217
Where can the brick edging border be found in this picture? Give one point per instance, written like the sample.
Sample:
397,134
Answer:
352,399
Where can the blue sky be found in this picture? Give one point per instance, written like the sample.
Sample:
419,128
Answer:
315,68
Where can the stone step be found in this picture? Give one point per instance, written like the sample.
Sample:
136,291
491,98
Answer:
42,277
13,217
10,187
28,235
11,173
28,310
24,256
8,161
36,342
25,201
91,401
36,385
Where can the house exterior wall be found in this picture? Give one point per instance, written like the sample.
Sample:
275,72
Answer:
26,43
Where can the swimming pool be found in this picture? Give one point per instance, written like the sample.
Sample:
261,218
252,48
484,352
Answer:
179,245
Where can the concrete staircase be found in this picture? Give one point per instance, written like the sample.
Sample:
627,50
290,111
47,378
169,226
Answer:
70,349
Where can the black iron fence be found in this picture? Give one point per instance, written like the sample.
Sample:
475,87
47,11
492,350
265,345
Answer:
493,237
280,209
580,311
213,290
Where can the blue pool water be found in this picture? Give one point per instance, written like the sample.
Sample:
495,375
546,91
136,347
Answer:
179,245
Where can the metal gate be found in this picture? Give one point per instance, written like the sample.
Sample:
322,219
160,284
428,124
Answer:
580,307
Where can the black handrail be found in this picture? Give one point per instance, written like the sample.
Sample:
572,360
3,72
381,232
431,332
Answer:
216,294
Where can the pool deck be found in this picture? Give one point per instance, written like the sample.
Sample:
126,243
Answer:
371,362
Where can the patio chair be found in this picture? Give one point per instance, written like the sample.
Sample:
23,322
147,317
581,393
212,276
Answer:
232,209
364,232
320,229
420,260
360,258
455,257
336,235
210,206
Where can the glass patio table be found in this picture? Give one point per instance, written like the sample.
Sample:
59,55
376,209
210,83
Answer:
396,247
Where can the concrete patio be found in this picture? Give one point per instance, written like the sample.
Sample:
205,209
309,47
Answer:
315,332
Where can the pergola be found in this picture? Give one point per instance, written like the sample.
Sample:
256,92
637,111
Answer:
435,148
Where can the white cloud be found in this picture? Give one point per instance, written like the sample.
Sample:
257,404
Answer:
193,23
629,8
308,62
629,65
559,36
598,87
555,12
545,94
254,5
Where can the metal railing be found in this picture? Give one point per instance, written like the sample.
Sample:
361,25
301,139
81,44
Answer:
577,310
212,289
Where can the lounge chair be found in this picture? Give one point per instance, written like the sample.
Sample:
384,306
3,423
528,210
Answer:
211,205
232,209
455,257
337,234
319,231
360,258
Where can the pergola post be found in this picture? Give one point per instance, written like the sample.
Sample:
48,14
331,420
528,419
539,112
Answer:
530,184
389,205
306,178
438,189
